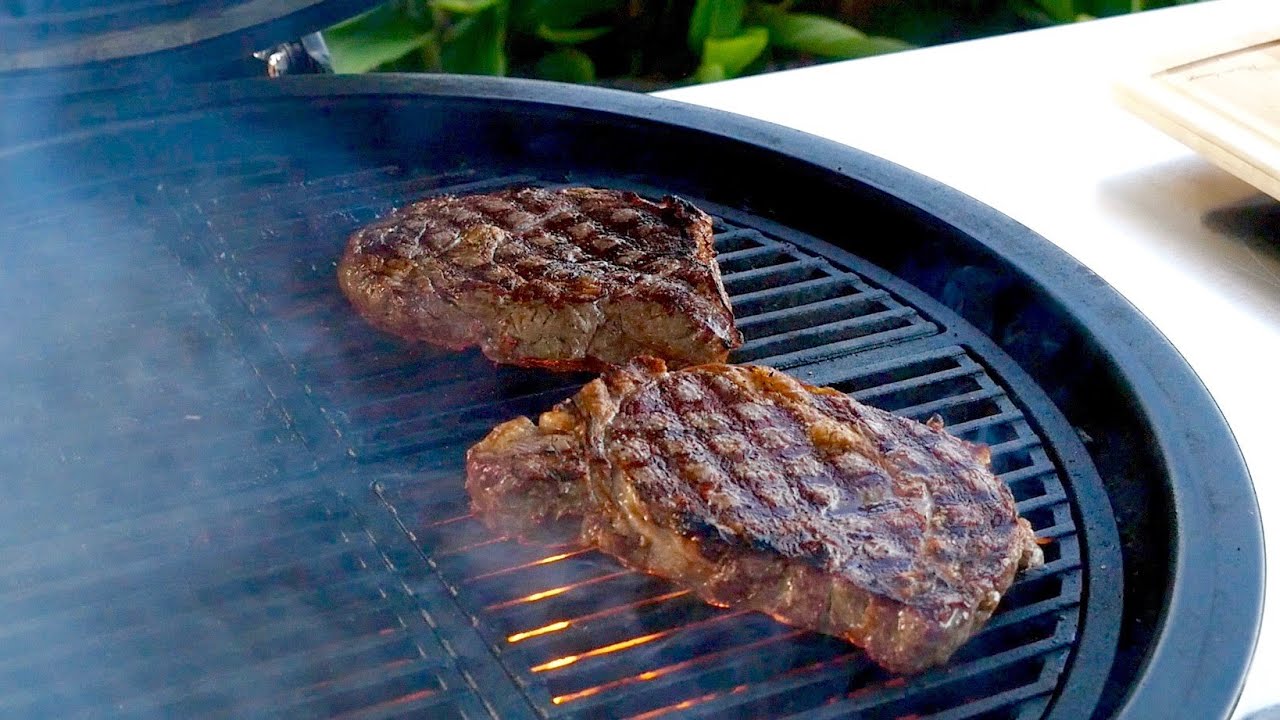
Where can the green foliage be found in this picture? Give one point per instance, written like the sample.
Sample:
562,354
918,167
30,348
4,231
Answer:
726,57
476,44
821,36
649,44
715,19
374,39
567,65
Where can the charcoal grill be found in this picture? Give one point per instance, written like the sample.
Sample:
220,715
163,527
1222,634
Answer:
228,496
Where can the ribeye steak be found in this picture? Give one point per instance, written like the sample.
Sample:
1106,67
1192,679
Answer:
758,491
569,279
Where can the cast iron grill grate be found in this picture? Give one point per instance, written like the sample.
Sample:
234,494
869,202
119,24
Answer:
579,636
191,355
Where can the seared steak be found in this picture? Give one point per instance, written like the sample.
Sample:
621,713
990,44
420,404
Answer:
758,491
564,279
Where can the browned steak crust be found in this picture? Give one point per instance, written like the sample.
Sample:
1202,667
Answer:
570,279
761,492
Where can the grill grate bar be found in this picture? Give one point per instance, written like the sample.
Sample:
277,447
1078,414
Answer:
775,275
1014,445
919,382
823,334
250,208
755,302
661,678
80,577
582,622
738,239
987,422
1038,470
1019,695
1060,566
834,674
134,625
746,258
47,598
158,516
160,633
833,306
940,405
231,671
935,680
847,347
1048,500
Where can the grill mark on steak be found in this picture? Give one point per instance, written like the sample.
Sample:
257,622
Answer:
568,279
760,492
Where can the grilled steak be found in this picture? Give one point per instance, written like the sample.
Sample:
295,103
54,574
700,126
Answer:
564,279
758,491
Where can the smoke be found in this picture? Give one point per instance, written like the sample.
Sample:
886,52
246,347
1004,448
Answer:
169,545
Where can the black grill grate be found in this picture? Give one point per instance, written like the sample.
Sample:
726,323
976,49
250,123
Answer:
241,565
580,637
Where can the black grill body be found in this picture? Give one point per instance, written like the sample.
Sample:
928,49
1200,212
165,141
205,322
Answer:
63,47
230,497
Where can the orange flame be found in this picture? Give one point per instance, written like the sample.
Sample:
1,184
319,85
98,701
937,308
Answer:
468,548
552,592
685,704
542,561
448,521
673,668
553,627
561,625
625,644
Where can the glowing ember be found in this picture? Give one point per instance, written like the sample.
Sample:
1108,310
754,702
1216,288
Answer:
557,663
615,647
402,700
682,705
543,594
448,521
553,627
472,546
673,668
625,644
561,625
542,561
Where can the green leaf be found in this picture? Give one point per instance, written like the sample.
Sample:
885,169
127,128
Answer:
375,38
1059,10
571,36
463,7
732,55
529,15
479,47
715,19
821,36
566,65
709,73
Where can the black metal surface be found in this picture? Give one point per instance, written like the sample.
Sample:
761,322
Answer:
62,47
245,226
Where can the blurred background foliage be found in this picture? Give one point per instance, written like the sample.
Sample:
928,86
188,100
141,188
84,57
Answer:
652,44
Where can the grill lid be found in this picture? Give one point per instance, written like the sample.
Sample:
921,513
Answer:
60,47
202,419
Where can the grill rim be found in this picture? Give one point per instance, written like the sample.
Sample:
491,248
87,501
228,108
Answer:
186,48
1218,525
